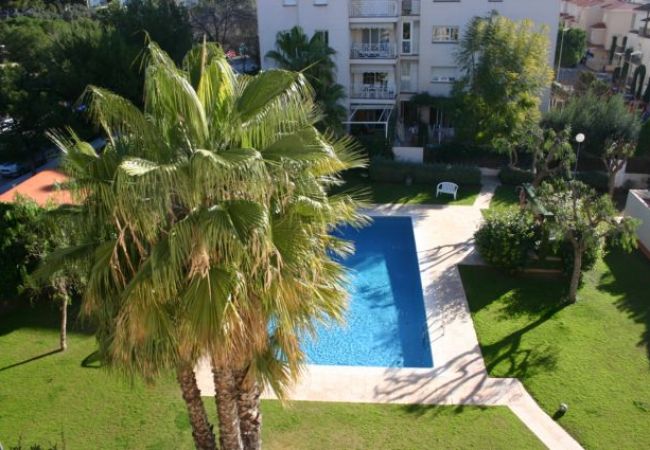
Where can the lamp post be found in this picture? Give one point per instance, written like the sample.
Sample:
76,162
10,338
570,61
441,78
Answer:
559,59
580,138
242,51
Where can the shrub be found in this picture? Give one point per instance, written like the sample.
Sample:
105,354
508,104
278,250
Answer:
396,172
506,238
514,176
21,241
596,179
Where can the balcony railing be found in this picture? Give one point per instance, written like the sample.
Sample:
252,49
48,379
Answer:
410,7
376,8
368,91
360,50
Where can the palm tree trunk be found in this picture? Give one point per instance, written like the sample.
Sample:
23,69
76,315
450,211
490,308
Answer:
575,276
226,398
201,428
63,335
250,416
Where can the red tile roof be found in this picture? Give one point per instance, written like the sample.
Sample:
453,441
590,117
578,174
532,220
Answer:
42,187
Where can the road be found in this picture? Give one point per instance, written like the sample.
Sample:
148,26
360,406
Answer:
8,183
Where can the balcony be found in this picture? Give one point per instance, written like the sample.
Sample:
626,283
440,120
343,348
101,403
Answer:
376,8
410,7
371,92
372,51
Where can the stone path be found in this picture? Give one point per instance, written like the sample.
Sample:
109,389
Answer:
444,239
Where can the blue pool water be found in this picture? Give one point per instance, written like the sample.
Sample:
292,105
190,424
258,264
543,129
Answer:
385,323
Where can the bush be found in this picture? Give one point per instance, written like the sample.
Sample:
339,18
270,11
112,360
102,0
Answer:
396,172
21,242
506,238
514,176
596,179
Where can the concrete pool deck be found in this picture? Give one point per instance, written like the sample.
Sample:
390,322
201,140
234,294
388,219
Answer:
444,239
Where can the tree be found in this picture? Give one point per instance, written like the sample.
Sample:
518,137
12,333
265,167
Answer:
227,22
313,57
603,120
506,70
208,220
614,158
574,47
552,153
163,21
585,220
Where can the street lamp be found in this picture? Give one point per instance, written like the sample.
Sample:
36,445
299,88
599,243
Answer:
580,138
559,59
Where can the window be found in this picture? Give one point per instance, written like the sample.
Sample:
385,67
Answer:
443,74
320,2
375,78
445,34
375,36
323,35
289,2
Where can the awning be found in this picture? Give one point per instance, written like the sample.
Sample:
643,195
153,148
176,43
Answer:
360,26
383,120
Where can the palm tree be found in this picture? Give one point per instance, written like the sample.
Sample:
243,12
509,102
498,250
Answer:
208,220
313,57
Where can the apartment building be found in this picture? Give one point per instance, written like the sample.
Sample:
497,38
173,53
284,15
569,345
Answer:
388,50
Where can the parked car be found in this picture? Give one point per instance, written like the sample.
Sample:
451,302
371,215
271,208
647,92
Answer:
13,169
6,124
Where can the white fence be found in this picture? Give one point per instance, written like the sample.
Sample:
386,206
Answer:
409,154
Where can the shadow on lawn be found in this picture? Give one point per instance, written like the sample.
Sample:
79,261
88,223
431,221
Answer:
522,363
28,360
628,280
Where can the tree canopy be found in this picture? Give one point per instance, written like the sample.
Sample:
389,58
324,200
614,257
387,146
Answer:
505,66
573,44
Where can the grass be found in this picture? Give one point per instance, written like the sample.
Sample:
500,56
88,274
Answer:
504,197
593,355
416,194
49,398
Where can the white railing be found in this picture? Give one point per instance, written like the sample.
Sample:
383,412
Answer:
360,50
410,7
373,8
410,47
373,92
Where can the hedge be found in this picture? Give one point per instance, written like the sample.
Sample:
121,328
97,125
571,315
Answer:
596,179
514,176
397,172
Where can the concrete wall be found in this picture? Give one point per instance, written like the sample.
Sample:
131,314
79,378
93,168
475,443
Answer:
638,208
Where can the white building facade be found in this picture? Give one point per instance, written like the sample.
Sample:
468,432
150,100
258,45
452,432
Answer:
388,50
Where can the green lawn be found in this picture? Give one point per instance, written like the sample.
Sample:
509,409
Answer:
416,194
504,197
51,398
593,355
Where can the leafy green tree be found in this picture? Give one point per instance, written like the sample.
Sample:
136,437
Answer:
610,127
506,70
166,22
585,220
208,226
574,47
313,57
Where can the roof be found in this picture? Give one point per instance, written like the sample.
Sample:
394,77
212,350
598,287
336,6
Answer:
599,25
587,2
620,6
42,187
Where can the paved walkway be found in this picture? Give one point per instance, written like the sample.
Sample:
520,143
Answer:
444,239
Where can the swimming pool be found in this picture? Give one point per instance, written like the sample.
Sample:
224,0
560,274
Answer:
385,323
